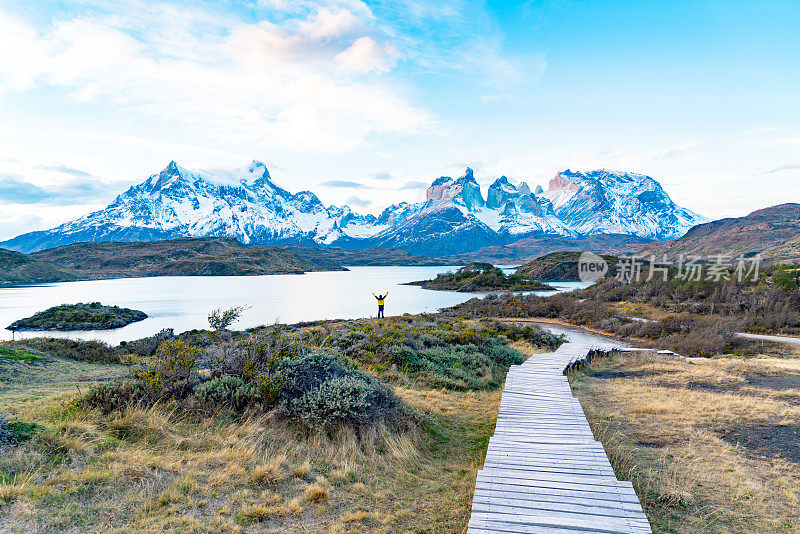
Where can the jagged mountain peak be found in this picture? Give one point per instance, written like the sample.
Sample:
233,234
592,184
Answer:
503,182
500,192
173,176
468,176
561,183
463,192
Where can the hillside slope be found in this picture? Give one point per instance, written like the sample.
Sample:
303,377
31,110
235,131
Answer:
559,267
213,256
765,229
529,248
17,268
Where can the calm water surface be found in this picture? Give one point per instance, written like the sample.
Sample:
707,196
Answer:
183,302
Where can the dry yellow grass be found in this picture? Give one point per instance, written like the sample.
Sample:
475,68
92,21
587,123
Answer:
710,445
269,473
157,469
302,469
317,492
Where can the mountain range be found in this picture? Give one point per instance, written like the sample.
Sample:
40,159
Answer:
455,217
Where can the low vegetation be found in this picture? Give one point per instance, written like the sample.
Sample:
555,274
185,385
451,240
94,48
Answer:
710,445
72,349
17,354
89,316
258,373
340,426
7,437
481,277
693,318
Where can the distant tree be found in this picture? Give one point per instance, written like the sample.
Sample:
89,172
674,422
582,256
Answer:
221,319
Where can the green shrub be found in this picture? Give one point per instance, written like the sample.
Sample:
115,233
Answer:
116,395
261,371
322,393
226,390
171,371
24,431
787,277
20,355
460,367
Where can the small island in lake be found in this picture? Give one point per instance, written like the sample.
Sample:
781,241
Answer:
481,277
561,266
88,316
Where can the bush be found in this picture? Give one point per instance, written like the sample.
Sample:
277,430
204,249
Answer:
262,371
226,390
323,393
460,367
116,395
171,371
221,319
147,346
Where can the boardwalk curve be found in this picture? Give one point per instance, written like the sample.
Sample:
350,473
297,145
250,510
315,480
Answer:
544,472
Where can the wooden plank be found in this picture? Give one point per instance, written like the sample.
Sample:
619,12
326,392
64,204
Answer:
543,470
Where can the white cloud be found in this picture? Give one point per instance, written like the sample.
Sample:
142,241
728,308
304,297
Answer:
365,55
611,153
272,84
686,146
326,24
21,54
358,201
788,167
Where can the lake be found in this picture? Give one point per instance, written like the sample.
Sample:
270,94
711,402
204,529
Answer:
183,302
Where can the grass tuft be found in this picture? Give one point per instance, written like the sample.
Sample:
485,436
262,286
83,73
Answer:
317,491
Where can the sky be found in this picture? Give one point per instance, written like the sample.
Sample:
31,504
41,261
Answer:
366,103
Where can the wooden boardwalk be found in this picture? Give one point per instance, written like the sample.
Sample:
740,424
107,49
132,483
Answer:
544,472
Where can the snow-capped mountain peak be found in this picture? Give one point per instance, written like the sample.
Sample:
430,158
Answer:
463,192
247,205
604,201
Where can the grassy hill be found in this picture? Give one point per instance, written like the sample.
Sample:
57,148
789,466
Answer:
787,252
775,229
213,256
18,268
